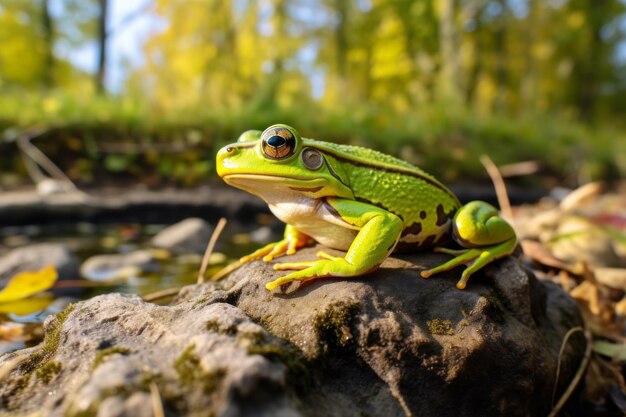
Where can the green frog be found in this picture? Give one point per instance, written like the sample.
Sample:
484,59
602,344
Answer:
356,200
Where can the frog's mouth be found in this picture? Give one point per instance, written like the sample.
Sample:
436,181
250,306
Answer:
252,182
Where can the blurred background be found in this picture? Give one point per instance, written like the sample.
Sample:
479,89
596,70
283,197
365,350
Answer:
144,91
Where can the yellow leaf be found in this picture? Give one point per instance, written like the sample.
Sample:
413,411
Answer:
28,283
27,306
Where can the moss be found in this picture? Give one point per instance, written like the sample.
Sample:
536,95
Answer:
48,371
497,307
187,364
103,354
333,324
190,372
50,343
440,327
277,350
258,345
217,327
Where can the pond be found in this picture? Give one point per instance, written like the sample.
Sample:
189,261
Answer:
21,322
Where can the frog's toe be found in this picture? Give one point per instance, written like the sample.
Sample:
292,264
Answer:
323,255
284,283
293,266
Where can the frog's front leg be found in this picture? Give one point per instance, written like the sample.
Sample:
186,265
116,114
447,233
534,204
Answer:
292,241
379,231
485,236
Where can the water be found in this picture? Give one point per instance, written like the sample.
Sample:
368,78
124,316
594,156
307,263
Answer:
21,322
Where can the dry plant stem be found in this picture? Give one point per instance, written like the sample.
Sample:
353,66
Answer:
209,249
35,154
498,183
83,284
519,168
226,270
579,373
168,292
157,404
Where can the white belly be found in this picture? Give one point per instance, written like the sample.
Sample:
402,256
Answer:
312,217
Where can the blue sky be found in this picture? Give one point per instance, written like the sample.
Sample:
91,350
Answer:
125,44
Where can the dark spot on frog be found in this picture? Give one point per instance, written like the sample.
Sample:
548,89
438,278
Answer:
422,214
429,241
414,229
442,216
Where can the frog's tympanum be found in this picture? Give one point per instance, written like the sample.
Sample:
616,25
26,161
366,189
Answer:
356,200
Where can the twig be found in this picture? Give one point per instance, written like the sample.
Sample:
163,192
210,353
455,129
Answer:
168,292
157,404
77,283
579,373
34,153
226,270
519,168
36,159
209,249
498,184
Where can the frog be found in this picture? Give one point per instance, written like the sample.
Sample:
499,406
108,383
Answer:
360,201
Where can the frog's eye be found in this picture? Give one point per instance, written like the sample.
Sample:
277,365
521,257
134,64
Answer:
278,143
312,158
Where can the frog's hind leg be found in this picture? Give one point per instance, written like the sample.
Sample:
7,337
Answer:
485,237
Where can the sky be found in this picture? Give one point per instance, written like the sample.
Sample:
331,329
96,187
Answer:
125,43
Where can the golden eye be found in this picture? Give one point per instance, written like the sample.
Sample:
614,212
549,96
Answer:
312,158
278,143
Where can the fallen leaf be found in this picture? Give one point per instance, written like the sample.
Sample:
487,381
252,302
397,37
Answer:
539,253
617,351
24,307
11,331
28,283
582,196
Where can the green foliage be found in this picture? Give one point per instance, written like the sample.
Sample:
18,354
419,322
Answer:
179,147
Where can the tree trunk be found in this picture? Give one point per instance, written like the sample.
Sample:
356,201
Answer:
102,47
449,73
501,70
528,84
48,30
341,46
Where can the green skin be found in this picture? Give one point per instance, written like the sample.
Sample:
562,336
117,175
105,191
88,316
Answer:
358,200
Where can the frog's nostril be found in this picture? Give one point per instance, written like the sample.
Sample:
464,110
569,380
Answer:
229,149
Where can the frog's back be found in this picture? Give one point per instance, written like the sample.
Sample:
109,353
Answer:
425,205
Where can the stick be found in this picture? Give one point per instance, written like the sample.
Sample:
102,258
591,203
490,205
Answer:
168,292
209,249
226,270
498,184
157,404
579,373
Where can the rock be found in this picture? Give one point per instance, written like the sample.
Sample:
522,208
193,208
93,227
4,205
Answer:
119,266
189,236
385,344
100,357
37,256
